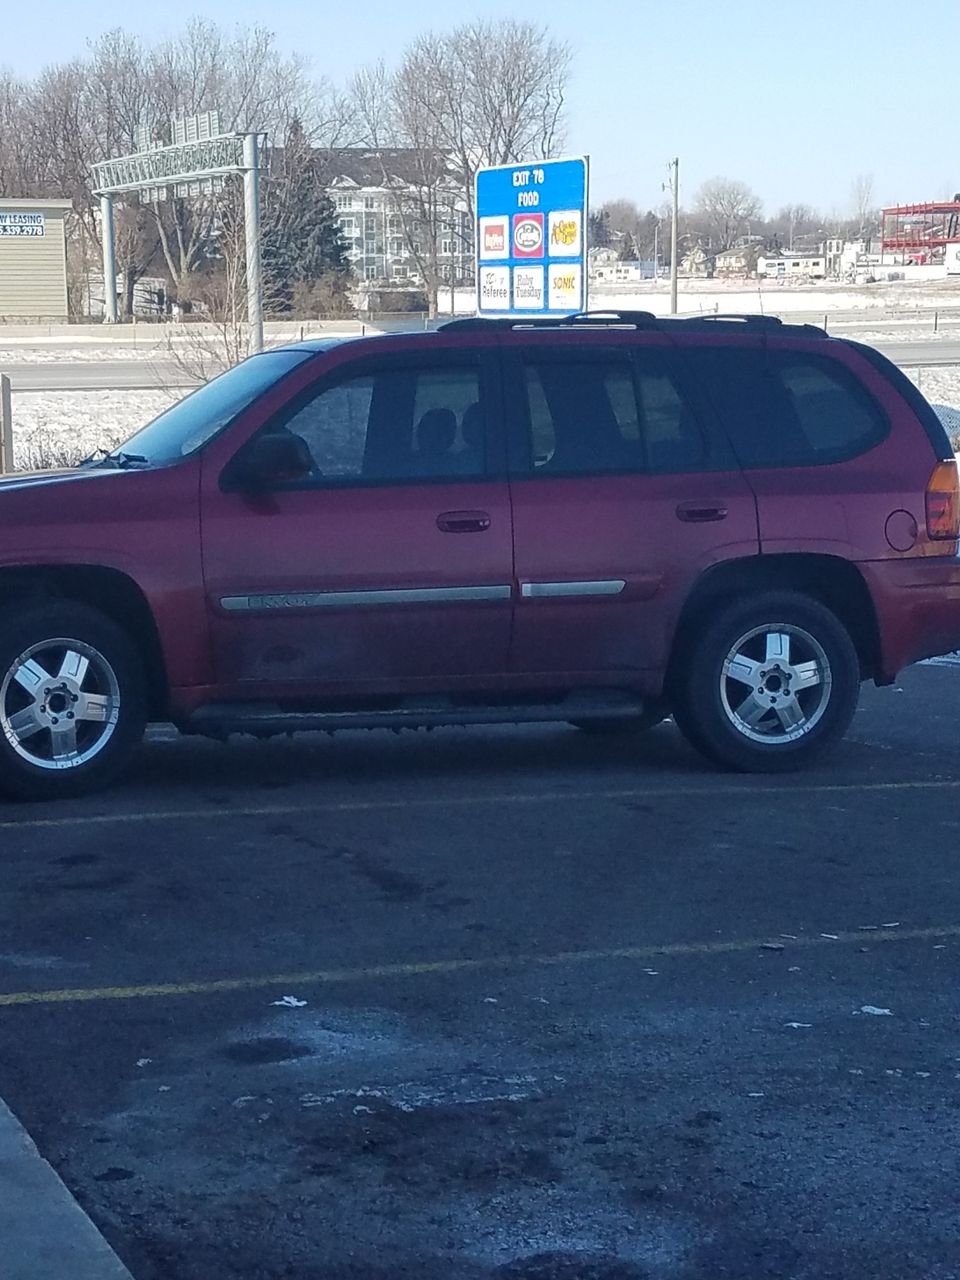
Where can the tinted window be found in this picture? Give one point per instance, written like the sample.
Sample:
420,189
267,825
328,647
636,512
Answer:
672,437
835,416
595,416
787,409
914,397
394,425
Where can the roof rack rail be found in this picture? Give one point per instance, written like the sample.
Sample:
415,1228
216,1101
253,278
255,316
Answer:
743,317
585,318
474,322
754,320
627,319
610,315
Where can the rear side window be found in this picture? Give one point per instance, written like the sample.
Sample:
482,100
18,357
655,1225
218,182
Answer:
788,409
616,415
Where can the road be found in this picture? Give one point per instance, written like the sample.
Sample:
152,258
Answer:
507,1004
97,375
138,374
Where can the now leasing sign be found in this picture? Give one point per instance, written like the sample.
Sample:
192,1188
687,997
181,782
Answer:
29,225
532,238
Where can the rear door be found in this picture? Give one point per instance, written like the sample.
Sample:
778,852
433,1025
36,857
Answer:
830,464
621,496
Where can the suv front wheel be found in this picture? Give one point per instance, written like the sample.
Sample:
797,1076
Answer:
768,684
72,702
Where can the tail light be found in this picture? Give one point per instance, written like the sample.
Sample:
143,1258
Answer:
943,503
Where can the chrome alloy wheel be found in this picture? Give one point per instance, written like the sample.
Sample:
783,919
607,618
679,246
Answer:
775,683
59,704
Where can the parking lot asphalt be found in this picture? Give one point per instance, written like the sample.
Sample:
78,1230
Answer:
515,1003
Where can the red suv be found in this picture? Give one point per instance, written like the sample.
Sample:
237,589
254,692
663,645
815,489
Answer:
603,520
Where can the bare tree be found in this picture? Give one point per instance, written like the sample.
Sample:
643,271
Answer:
415,170
19,175
861,200
866,216
727,208
254,86
632,232
485,93
497,91
794,221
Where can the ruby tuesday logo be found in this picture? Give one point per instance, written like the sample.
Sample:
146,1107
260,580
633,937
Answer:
528,235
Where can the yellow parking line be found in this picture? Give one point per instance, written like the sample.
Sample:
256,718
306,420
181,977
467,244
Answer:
421,968
755,792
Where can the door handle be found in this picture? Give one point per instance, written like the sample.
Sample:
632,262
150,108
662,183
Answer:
701,512
463,521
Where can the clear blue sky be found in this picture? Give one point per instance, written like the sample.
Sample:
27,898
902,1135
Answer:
792,99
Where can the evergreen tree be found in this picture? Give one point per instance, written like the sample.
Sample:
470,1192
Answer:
599,234
302,241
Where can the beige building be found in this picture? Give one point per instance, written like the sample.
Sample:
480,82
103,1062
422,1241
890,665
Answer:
33,259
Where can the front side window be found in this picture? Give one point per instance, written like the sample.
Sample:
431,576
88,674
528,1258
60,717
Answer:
595,416
395,426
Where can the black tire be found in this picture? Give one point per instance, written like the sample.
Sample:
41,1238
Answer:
618,727
107,729
706,700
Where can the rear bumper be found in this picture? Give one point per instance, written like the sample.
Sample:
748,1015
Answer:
917,602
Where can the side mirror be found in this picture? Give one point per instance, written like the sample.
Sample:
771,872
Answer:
269,460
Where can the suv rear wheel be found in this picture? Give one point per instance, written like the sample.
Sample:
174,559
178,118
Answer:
768,684
72,702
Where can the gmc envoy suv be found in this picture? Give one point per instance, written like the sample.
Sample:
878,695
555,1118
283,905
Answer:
603,520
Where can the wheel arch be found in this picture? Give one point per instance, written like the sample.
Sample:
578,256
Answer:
833,582
114,594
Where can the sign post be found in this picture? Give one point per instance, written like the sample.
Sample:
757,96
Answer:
6,426
532,238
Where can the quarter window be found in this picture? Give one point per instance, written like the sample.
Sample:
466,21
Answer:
835,416
785,408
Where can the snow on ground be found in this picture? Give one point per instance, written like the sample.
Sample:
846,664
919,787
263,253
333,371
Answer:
940,385
776,298
58,428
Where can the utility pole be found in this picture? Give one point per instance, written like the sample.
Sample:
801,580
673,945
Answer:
675,187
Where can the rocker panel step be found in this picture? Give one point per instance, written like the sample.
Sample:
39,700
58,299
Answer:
222,718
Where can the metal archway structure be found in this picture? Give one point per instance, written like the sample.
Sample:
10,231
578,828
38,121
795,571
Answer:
187,167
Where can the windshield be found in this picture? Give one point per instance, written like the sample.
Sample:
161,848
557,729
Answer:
190,423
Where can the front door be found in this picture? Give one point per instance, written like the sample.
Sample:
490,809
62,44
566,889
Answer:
621,494
389,568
